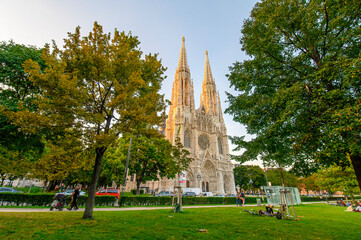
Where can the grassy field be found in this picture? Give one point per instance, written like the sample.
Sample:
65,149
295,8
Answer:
317,221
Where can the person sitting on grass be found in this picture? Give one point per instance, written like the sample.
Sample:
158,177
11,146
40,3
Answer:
358,209
270,209
341,203
349,208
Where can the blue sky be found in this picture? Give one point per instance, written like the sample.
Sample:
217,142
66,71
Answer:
159,24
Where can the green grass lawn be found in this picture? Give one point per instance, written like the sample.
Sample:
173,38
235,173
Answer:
317,221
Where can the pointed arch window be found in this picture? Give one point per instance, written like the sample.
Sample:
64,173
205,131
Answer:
220,148
187,139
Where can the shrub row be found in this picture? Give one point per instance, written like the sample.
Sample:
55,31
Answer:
318,199
24,199
148,201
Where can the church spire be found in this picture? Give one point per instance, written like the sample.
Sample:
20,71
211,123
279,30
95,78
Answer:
208,77
182,94
209,93
182,62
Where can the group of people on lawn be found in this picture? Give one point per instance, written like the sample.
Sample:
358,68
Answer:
350,206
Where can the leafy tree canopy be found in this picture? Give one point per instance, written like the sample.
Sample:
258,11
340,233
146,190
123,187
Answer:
334,179
96,88
152,158
18,148
300,91
244,173
274,176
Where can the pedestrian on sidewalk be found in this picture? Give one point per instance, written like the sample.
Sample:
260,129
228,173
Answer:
74,196
238,199
243,197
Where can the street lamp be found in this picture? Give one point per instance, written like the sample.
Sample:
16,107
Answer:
199,177
265,171
250,184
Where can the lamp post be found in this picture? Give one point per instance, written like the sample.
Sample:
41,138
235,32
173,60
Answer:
126,167
250,184
265,171
199,177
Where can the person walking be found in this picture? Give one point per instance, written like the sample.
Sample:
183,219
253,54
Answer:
75,196
243,197
238,199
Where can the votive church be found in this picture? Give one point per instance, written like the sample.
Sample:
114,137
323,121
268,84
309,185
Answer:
202,132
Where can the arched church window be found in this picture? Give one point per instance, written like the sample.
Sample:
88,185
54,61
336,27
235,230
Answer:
187,139
220,149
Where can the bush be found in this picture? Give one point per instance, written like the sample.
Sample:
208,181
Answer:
45,199
134,191
154,201
318,199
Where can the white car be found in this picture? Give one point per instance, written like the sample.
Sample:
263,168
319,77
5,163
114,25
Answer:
164,194
70,191
9,190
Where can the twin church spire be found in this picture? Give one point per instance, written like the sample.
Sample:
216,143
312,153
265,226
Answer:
183,93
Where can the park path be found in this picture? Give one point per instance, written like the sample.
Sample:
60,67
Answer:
108,209
124,208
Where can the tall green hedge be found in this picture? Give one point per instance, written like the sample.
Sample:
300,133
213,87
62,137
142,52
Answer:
24,199
154,201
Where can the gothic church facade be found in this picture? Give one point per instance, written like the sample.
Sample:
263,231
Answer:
202,132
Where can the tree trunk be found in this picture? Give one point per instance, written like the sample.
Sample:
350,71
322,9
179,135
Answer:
45,185
88,213
356,163
284,192
138,188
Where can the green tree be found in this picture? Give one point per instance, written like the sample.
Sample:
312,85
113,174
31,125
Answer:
152,158
18,148
244,173
334,179
275,177
308,183
62,156
300,91
112,168
96,88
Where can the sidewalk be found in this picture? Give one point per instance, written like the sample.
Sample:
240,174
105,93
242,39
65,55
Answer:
108,209
124,208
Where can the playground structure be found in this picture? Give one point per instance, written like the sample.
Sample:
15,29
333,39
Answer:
284,197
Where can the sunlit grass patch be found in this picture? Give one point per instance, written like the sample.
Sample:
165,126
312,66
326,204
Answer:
318,221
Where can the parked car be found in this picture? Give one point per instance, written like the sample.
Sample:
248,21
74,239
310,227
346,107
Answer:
9,190
206,194
189,194
164,194
231,195
70,191
220,195
112,192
